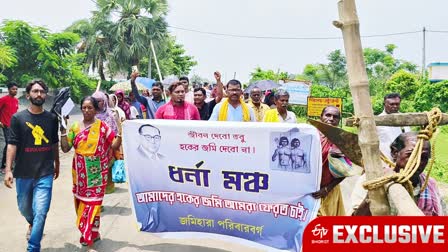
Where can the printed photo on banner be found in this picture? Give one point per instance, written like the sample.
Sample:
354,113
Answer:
150,139
290,151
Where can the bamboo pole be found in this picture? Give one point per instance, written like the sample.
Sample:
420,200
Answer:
359,87
402,201
408,119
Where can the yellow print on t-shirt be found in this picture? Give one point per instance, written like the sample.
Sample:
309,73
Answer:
38,134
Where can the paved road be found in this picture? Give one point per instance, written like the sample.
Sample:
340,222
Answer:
117,229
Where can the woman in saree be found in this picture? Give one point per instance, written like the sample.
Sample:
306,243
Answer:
106,115
91,138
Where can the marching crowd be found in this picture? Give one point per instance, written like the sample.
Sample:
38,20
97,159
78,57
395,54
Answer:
33,141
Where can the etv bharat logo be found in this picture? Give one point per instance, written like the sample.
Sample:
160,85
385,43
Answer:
319,231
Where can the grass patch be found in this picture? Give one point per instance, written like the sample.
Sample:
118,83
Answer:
440,168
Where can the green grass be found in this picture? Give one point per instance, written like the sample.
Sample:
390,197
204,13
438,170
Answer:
440,168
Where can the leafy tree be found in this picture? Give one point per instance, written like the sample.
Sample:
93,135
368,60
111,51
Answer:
260,74
404,83
7,59
172,60
432,95
45,55
332,75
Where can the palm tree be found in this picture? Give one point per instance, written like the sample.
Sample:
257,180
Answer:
94,43
133,24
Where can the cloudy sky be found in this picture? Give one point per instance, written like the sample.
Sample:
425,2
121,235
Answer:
268,18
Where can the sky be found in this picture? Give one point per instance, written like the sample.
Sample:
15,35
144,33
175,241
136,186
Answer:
235,56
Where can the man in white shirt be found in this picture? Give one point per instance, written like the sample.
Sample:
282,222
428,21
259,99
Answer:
387,134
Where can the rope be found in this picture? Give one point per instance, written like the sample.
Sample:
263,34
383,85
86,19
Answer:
431,161
403,176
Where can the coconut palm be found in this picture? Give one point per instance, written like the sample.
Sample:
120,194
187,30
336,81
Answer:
95,42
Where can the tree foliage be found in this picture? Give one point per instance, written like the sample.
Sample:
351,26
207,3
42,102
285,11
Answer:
44,55
432,95
172,59
119,35
260,74
136,23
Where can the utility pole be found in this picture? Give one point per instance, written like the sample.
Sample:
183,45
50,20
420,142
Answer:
424,53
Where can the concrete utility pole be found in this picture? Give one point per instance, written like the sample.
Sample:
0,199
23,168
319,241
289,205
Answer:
424,52
359,87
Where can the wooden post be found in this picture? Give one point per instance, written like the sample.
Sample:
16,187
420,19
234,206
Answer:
401,119
359,87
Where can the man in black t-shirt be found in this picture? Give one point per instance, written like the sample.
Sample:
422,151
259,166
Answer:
206,108
34,147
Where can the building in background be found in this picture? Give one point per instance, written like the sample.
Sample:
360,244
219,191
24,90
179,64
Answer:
438,71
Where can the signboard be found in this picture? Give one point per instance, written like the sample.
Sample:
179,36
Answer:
247,180
316,105
298,91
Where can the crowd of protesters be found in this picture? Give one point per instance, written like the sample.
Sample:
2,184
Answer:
32,135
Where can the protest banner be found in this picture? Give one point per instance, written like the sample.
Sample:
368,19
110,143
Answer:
246,180
317,104
298,91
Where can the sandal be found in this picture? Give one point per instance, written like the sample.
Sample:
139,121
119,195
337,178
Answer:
83,243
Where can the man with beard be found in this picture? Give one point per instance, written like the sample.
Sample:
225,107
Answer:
33,144
200,94
280,113
255,103
237,111
152,104
9,105
177,108
387,134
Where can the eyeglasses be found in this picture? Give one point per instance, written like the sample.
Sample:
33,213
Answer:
149,137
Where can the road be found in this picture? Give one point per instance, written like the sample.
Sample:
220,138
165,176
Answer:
117,229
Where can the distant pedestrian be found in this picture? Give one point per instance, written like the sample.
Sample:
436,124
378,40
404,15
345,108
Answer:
255,103
9,105
200,96
34,147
